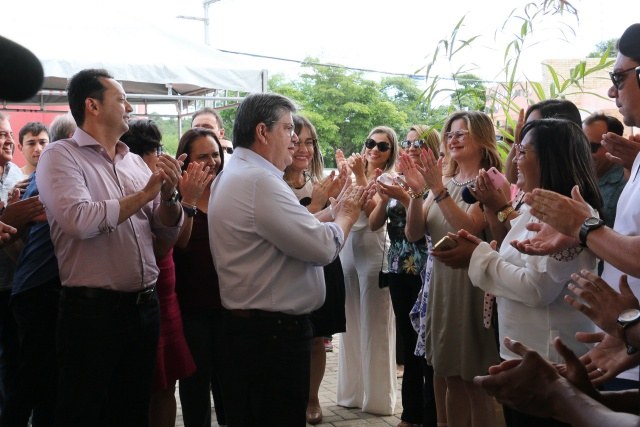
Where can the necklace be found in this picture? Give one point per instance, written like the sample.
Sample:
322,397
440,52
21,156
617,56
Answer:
462,184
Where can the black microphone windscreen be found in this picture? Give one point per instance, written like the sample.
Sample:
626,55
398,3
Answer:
21,73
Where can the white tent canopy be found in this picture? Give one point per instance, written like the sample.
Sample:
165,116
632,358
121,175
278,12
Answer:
145,59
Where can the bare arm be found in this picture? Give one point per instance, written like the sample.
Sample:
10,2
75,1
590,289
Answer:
378,216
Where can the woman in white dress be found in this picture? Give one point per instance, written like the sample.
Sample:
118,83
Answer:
367,366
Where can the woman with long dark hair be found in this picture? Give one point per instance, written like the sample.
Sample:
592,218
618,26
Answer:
197,280
555,155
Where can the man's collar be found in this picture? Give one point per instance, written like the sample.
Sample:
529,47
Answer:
83,139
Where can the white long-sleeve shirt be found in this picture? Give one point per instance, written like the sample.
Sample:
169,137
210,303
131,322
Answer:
530,292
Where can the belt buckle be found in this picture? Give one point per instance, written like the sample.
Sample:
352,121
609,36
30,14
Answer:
144,296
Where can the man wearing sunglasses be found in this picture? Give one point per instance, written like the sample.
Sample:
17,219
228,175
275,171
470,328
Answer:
611,176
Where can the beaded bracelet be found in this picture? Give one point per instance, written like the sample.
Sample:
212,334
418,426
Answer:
417,195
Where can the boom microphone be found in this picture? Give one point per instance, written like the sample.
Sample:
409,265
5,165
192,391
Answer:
21,73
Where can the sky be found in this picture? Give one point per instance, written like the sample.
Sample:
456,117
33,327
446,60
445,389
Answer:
393,37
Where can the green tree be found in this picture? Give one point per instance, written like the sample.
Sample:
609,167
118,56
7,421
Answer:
607,47
169,129
343,105
470,93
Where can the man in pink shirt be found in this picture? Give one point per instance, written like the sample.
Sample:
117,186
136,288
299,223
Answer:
105,207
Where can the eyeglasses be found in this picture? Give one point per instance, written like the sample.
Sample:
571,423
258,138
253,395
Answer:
288,126
382,146
459,135
595,146
6,136
229,150
520,151
617,77
309,143
415,144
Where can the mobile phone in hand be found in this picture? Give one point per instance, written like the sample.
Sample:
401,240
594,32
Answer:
445,244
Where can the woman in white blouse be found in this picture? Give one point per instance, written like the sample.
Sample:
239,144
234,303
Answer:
554,154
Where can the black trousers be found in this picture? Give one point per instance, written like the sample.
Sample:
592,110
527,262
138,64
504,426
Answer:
34,389
266,381
202,330
8,347
106,344
418,398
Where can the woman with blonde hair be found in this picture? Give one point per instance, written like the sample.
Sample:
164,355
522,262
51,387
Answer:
457,344
367,368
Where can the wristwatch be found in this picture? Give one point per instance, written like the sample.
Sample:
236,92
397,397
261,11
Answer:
627,318
587,227
189,210
172,200
503,214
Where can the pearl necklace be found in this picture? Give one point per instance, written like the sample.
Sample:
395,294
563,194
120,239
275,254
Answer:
462,184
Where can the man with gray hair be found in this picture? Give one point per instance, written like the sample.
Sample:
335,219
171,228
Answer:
269,251
62,127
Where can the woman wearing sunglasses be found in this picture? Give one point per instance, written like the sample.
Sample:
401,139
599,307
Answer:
367,367
457,344
405,262
304,176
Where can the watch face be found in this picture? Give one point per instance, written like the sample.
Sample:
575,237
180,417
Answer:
629,315
592,221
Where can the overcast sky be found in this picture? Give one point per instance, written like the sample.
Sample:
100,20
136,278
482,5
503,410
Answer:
393,36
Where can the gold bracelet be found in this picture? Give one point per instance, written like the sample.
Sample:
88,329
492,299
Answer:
418,195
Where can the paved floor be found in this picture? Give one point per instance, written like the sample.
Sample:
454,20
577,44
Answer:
337,416
334,415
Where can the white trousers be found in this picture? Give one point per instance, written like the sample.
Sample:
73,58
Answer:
366,363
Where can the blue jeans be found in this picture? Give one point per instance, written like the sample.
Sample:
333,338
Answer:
106,351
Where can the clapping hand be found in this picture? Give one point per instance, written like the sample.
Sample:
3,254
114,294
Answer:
6,231
194,181
547,240
565,214
486,193
412,173
621,150
600,302
432,169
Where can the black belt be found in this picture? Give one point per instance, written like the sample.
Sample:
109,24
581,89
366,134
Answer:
137,298
262,314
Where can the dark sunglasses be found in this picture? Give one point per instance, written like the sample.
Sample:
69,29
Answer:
415,144
617,77
229,150
595,146
382,146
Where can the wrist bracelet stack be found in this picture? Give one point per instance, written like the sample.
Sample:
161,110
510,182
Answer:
417,195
